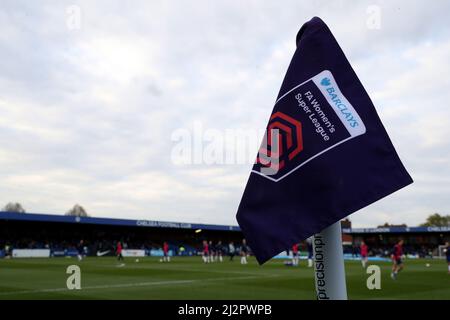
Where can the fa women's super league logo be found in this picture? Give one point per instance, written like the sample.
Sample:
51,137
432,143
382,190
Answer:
282,142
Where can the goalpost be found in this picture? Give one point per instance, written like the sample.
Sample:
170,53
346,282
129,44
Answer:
441,251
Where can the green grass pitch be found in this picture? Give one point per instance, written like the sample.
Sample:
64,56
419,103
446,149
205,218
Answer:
189,278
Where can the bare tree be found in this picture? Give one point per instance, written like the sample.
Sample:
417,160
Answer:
388,225
14,207
78,211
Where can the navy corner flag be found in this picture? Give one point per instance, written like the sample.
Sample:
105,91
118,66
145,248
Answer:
325,155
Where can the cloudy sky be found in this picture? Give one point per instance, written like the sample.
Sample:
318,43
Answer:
92,92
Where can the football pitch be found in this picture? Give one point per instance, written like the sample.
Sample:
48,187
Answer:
189,278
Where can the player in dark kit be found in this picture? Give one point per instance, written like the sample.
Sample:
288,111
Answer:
212,251
231,250
220,251
80,249
244,252
396,257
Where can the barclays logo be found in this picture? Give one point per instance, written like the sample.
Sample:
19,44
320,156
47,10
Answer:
335,98
325,82
327,85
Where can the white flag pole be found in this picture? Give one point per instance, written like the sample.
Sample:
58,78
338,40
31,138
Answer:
329,268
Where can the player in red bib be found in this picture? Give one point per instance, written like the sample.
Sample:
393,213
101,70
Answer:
364,250
396,257
166,257
119,252
205,253
295,254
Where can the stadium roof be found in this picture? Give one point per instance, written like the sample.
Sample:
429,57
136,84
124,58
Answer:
395,230
183,225
109,221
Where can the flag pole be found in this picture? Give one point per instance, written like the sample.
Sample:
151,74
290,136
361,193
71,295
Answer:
329,271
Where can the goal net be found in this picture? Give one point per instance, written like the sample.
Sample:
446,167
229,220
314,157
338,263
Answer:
441,251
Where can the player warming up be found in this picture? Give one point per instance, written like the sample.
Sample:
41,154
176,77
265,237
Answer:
119,254
231,250
219,251
364,250
397,263
212,252
244,252
80,249
295,254
166,257
205,253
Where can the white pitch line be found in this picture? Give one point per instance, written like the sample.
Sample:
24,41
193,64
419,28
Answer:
131,285
197,270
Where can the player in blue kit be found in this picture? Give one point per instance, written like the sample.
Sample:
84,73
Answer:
80,249
220,250
212,251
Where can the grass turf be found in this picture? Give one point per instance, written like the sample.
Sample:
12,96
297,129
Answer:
189,278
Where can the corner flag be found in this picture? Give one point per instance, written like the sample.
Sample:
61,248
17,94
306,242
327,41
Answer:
325,155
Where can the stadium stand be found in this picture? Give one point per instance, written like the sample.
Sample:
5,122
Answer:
61,235
420,242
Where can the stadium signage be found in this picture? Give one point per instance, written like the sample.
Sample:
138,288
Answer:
162,224
109,221
396,230
438,229
366,230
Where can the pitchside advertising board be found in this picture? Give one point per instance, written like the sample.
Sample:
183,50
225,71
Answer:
47,253
133,253
31,253
64,253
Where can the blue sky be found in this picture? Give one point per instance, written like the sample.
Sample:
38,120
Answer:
87,112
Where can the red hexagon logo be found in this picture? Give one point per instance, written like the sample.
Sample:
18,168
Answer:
283,141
